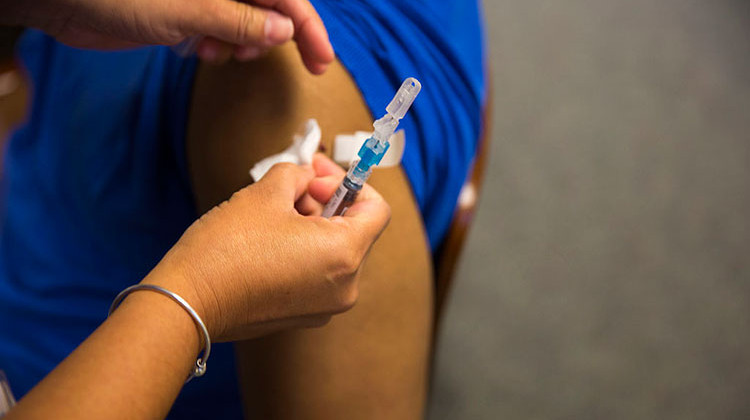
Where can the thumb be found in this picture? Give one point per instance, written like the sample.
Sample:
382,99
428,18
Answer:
241,24
287,181
322,189
368,216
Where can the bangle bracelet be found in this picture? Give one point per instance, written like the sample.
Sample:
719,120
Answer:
200,364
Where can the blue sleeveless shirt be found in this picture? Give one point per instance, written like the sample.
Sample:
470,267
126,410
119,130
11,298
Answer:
96,187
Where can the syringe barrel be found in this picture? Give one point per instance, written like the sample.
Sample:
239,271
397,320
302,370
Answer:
342,199
347,191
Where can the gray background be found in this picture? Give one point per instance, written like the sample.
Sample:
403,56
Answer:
607,274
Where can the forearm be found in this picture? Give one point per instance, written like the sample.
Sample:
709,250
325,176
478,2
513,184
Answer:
132,366
261,266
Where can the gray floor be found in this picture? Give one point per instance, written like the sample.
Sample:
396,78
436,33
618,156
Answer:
608,273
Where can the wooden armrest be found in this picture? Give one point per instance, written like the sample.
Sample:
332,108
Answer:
450,250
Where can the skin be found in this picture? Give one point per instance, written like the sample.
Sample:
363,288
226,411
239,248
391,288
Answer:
302,272
230,27
372,361
304,276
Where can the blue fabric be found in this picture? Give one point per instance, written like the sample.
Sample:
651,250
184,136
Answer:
95,192
96,189
441,44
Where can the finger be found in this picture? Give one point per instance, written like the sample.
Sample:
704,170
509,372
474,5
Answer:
321,189
324,166
287,181
248,52
369,215
310,33
314,47
214,51
241,24
318,321
308,206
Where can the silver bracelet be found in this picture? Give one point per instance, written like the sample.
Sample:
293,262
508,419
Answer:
200,364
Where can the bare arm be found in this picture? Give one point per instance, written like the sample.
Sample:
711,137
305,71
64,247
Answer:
372,361
132,366
250,266
232,26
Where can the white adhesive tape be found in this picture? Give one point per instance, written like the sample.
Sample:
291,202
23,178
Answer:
345,148
301,151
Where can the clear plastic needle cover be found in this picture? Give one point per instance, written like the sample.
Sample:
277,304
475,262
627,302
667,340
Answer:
404,98
374,148
384,127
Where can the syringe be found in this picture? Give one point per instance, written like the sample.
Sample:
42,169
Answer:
373,149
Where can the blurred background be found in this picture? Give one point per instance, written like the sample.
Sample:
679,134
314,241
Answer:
607,274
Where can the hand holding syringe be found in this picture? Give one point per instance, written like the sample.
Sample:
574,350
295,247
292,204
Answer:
373,149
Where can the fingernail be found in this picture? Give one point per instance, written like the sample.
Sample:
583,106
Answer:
278,29
247,52
322,68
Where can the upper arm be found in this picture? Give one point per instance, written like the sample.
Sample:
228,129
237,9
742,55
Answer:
243,112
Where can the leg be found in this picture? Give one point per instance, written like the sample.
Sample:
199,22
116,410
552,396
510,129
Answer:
372,361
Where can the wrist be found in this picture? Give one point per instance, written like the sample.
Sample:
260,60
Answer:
162,313
203,302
